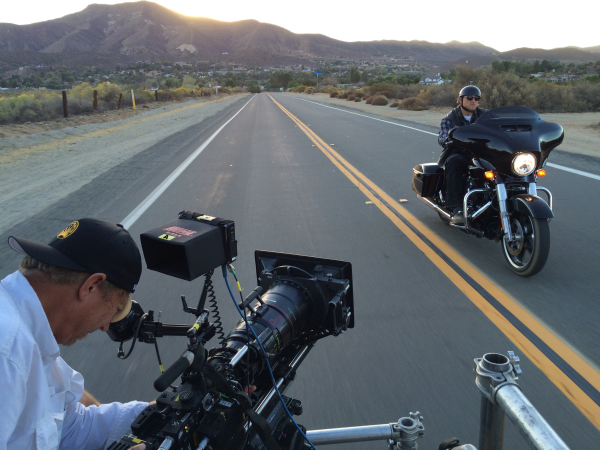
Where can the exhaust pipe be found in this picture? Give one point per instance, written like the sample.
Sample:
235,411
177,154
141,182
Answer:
435,207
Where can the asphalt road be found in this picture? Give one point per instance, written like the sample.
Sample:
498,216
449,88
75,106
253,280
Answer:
416,332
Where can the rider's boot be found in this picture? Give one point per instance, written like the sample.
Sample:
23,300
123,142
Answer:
457,216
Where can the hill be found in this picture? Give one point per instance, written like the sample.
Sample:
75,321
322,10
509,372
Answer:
148,31
564,54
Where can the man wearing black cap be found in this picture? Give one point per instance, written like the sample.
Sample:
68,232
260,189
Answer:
64,290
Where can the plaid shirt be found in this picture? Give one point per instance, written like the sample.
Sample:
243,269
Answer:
445,127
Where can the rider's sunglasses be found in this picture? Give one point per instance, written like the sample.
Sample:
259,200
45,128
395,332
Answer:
470,97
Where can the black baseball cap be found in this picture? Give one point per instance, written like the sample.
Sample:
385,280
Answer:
90,245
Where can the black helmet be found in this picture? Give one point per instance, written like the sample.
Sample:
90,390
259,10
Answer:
470,90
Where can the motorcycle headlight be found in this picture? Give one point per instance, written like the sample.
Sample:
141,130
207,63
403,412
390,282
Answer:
524,164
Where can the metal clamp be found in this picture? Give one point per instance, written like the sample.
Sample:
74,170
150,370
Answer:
407,431
495,371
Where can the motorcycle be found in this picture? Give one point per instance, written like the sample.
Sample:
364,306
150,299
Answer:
508,147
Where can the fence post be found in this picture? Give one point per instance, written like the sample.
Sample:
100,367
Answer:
95,103
65,106
132,99
119,102
156,95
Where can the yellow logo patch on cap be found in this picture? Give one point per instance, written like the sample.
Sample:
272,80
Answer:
68,231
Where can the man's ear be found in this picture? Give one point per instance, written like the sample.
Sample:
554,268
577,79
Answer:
91,285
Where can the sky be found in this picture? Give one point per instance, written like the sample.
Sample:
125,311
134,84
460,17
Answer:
503,25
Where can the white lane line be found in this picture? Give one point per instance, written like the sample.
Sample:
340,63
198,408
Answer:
368,117
556,166
134,215
578,172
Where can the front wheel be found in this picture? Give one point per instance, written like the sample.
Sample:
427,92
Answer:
528,251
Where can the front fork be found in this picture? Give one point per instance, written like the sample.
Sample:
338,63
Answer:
505,215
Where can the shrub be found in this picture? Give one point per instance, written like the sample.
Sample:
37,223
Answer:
407,90
413,104
379,87
350,97
357,99
394,104
345,95
387,94
308,90
368,100
254,89
359,93
379,100
333,95
441,95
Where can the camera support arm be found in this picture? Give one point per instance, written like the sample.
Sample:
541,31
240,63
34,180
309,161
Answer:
401,435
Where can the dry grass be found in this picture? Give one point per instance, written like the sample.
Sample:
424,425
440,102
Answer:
413,104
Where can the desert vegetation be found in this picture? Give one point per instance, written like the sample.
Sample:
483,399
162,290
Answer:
36,105
498,87
379,100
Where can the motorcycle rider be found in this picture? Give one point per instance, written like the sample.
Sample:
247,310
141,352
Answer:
457,164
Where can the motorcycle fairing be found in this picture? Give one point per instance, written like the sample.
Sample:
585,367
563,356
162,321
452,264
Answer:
501,133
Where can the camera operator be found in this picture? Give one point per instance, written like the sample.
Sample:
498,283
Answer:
62,291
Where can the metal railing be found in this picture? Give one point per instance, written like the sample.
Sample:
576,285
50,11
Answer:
501,396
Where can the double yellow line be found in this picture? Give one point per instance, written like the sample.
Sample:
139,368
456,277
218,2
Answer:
567,370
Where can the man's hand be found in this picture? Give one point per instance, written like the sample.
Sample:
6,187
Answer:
138,447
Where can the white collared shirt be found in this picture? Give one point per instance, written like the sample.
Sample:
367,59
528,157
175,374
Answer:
40,393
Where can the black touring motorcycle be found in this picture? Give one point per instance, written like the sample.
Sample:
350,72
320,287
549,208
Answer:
509,147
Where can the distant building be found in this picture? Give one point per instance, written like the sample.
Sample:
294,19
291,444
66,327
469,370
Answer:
428,79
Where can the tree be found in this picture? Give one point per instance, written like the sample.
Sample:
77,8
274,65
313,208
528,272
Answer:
188,82
546,66
354,75
365,76
172,83
284,78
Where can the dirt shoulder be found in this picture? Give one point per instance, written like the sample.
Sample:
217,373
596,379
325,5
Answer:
41,168
582,130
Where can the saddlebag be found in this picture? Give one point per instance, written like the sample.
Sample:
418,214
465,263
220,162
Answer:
427,179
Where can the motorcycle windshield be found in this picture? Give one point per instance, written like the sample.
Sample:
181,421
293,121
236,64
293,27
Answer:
510,112
500,133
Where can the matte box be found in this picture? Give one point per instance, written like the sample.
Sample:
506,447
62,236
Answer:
184,248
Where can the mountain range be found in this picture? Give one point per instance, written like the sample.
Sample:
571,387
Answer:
127,32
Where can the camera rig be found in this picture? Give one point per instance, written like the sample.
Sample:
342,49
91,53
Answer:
298,300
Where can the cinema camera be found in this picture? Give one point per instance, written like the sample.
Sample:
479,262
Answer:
298,300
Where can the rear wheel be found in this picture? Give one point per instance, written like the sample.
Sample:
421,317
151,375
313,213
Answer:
528,251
